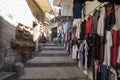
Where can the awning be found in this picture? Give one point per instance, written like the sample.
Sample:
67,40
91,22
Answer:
44,5
41,4
39,8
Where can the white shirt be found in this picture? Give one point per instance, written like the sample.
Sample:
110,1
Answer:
100,29
117,17
78,30
108,45
86,53
66,8
118,59
74,51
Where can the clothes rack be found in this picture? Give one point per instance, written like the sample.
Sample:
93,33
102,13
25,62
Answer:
90,12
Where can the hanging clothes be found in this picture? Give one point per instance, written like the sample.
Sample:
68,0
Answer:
88,28
118,58
66,8
83,55
80,54
110,16
69,35
73,31
100,32
117,17
77,8
74,51
82,33
96,46
77,11
86,48
66,26
101,22
114,51
96,16
78,30
90,51
108,45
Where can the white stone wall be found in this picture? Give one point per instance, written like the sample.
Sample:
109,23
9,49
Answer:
11,13
15,11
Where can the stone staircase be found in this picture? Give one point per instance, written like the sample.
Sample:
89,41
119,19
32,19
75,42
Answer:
52,63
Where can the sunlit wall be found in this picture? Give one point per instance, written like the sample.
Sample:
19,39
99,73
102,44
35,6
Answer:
16,11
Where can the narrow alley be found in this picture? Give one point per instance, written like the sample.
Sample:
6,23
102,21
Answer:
52,63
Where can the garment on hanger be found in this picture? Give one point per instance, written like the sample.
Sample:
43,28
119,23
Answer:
74,51
66,8
118,58
96,16
83,55
77,11
96,46
108,45
86,48
66,26
101,22
78,30
114,50
88,28
100,32
77,8
80,56
68,35
90,51
102,46
110,16
117,17
82,33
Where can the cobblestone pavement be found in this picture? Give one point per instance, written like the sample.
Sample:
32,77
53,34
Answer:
52,63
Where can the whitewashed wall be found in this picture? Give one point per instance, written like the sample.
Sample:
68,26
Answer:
15,11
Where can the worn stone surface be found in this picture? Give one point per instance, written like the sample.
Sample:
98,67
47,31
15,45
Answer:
53,52
52,72
51,60
52,65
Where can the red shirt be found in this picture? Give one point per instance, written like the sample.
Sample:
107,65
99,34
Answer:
114,52
88,28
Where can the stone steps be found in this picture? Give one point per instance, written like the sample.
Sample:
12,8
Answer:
55,73
52,63
51,55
